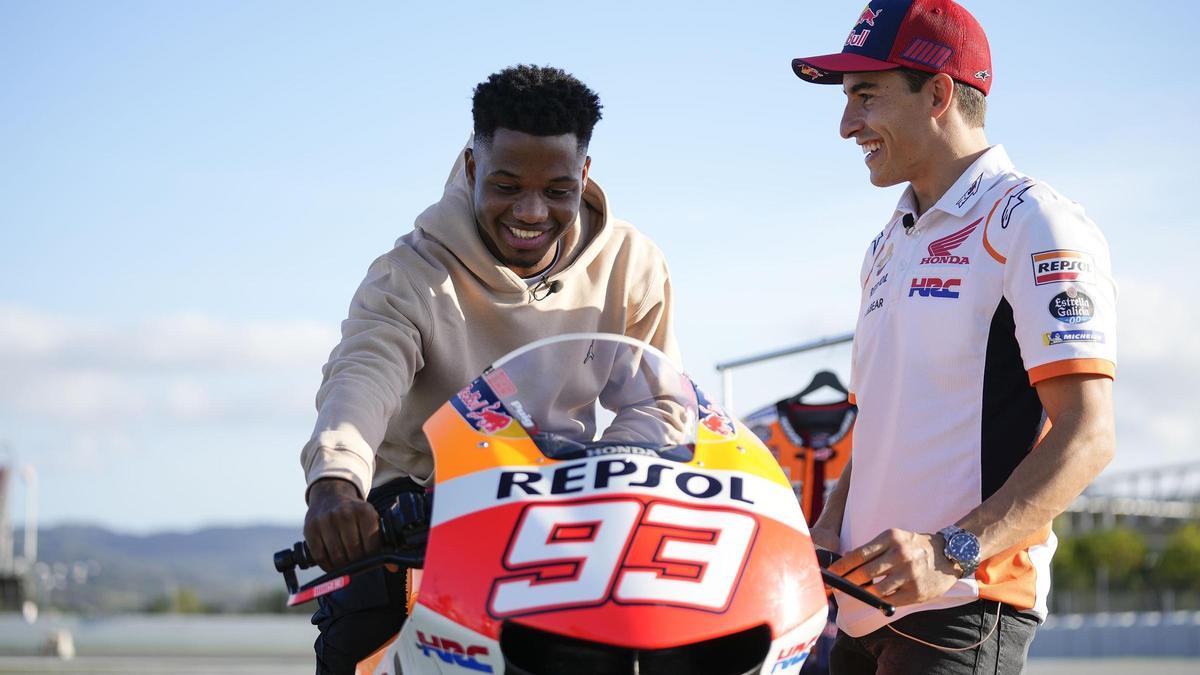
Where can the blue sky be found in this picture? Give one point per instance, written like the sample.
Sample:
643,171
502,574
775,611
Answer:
191,191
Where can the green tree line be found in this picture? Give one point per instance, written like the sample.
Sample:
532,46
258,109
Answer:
1120,559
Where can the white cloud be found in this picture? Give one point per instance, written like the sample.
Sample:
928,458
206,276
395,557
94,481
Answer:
74,394
187,368
1158,365
183,341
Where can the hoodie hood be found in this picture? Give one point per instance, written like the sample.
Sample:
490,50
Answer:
451,222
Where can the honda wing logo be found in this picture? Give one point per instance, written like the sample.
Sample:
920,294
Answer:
941,251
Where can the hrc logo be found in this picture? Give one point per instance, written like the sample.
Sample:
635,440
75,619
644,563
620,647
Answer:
452,652
933,287
792,657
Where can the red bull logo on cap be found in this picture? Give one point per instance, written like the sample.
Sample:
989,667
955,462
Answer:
809,71
868,17
858,39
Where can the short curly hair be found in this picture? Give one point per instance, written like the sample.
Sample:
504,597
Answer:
537,100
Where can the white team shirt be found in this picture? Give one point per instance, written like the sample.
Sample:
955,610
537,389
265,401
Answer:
1001,284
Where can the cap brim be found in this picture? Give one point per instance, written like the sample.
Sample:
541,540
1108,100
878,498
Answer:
828,69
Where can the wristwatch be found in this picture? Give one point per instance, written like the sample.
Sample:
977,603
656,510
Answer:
962,547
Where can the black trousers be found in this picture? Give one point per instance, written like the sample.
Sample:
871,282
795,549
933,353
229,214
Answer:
358,619
884,652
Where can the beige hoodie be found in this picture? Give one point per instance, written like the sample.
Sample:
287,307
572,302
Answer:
439,308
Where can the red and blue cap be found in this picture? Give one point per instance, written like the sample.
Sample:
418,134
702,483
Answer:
936,36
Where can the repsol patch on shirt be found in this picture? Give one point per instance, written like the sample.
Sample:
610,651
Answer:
1062,265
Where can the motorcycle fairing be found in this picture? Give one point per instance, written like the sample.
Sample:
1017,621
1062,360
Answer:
624,549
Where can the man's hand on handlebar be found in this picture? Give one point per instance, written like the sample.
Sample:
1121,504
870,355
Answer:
340,526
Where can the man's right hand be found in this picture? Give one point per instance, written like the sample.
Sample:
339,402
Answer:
340,526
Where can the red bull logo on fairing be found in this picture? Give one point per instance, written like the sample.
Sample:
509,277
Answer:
477,403
489,419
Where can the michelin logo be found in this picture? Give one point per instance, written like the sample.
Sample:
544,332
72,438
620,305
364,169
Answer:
1062,337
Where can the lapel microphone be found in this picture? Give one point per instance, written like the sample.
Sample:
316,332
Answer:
544,289
909,222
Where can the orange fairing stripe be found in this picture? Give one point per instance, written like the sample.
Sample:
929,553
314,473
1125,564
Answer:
459,450
743,452
988,245
1073,367
453,439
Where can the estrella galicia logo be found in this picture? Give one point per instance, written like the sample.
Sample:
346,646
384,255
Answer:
1072,306
1062,337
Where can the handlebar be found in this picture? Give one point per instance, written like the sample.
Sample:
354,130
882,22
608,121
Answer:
404,529
857,592
826,558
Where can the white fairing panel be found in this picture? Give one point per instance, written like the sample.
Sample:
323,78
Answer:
789,651
432,644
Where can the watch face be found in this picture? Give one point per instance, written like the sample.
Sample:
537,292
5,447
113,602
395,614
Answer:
964,546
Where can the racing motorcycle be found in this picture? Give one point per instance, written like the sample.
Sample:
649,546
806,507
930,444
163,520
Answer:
595,512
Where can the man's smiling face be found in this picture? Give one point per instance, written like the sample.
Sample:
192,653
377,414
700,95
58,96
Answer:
527,192
891,123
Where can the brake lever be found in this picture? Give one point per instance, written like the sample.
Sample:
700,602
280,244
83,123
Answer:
289,560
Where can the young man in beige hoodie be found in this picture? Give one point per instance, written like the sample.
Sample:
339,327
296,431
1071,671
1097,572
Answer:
521,246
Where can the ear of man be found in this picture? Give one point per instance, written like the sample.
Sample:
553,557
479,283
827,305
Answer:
940,89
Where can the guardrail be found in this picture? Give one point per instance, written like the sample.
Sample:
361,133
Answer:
1158,634
726,368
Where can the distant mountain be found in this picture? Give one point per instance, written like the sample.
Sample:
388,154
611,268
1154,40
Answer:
94,569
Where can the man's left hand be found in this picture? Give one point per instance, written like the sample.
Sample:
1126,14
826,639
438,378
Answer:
907,567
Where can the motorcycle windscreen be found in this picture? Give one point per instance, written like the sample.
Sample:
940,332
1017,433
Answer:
663,523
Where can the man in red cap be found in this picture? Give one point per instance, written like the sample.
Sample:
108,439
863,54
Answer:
982,365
